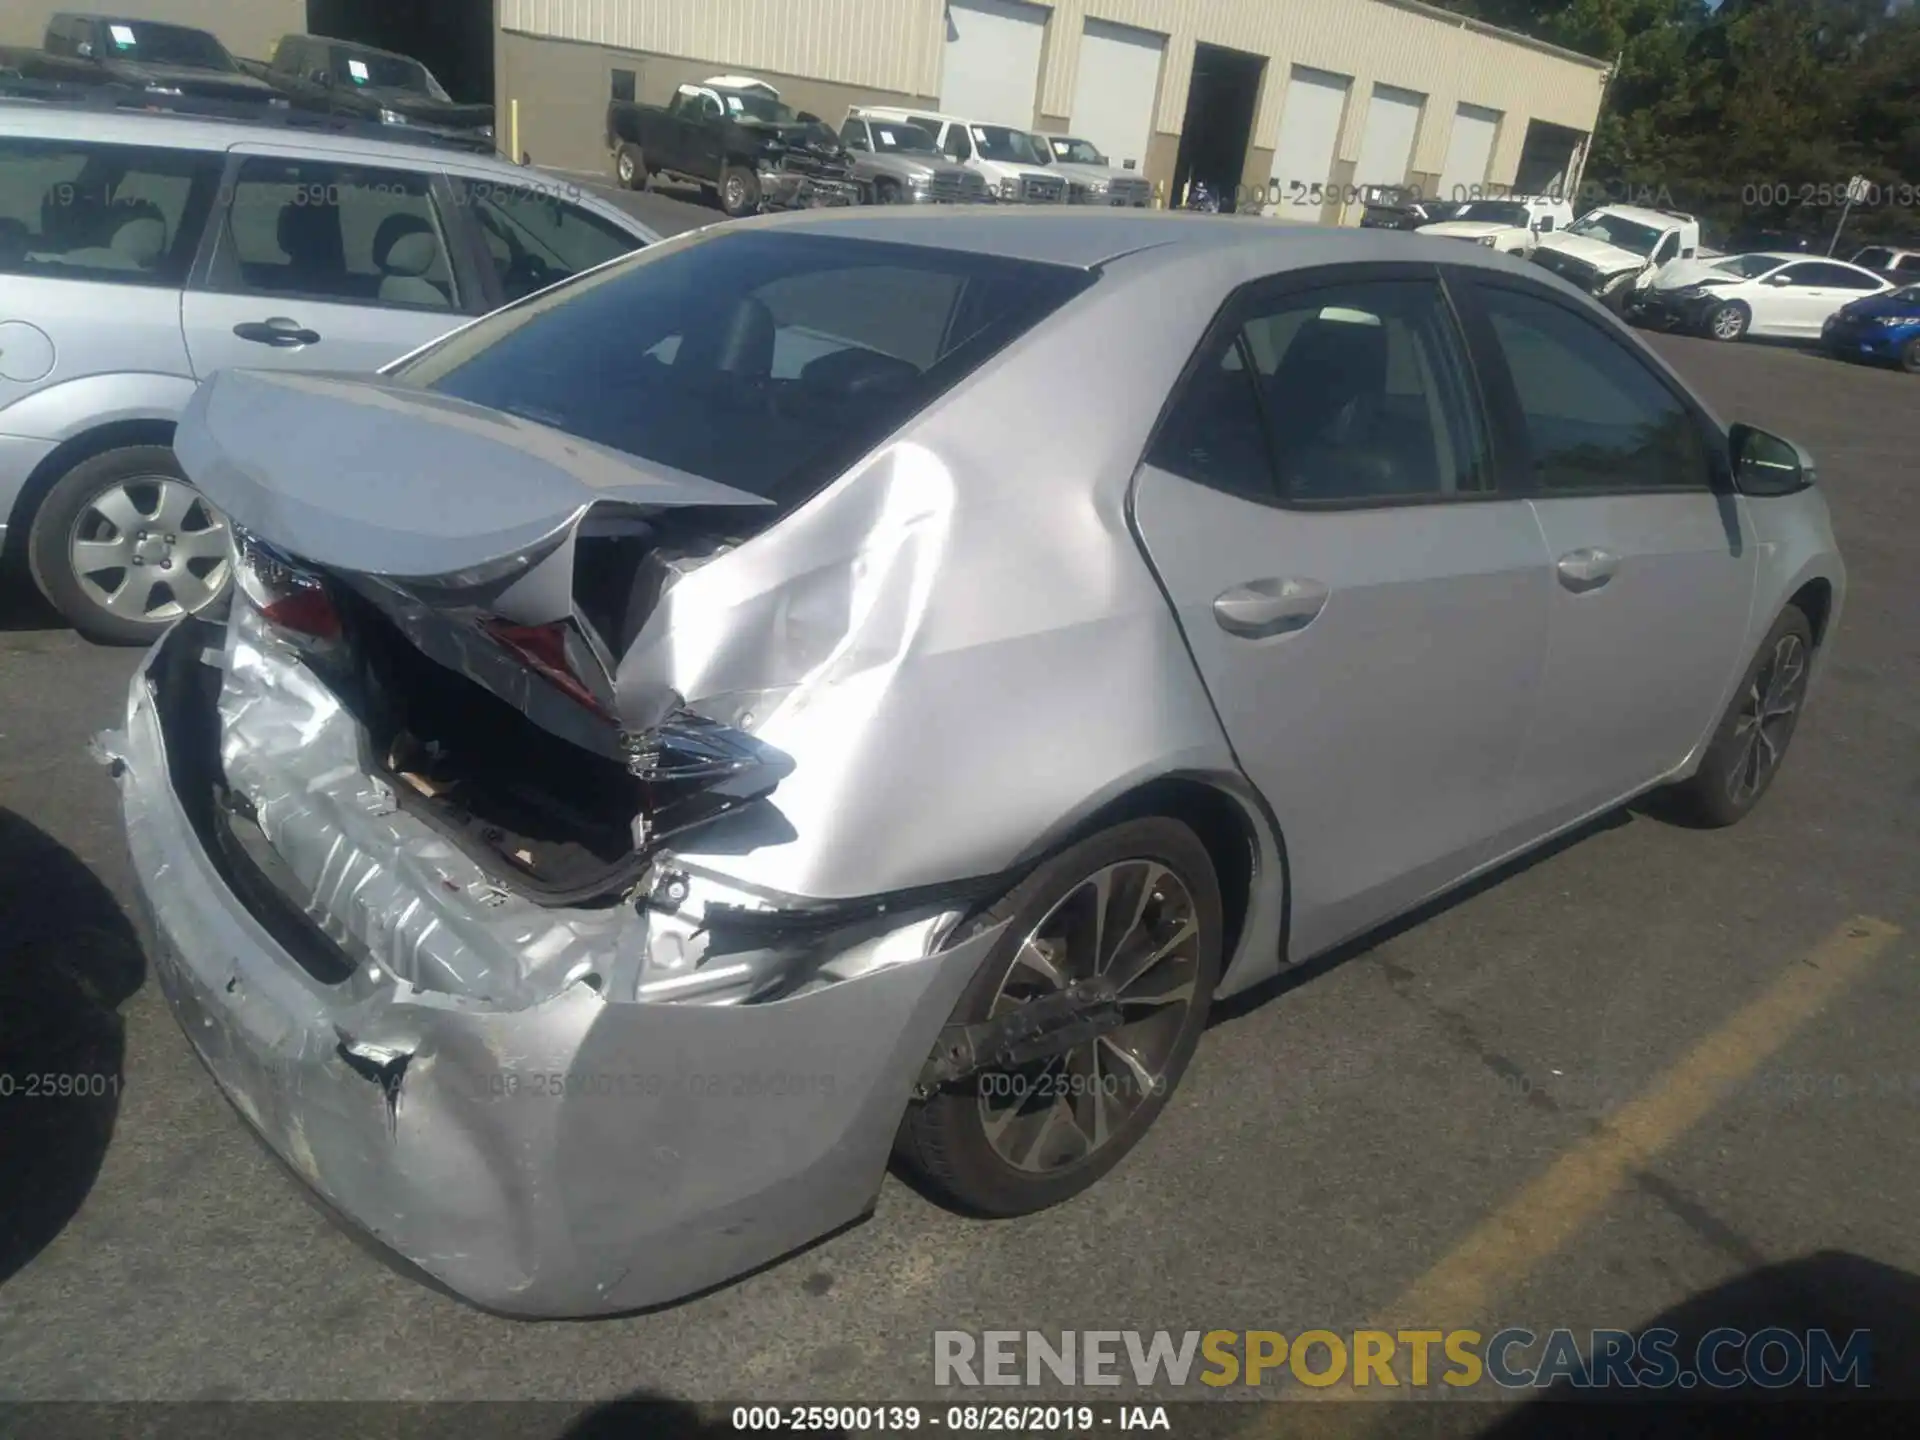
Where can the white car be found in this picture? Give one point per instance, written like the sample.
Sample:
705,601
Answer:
1511,226
1618,249
1762,294
1008,159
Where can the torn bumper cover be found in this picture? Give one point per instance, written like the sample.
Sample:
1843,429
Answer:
585,1152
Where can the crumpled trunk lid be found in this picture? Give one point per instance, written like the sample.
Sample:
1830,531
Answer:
362,475
483,576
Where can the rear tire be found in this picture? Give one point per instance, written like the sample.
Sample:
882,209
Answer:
132,506
1728,322
1910,357
1751,741
1012,1142
739,191
630,167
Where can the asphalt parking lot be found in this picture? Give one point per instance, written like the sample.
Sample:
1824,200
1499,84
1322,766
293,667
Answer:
1408,1134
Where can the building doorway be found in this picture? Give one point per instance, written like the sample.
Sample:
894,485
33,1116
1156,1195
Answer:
452,38
1219,122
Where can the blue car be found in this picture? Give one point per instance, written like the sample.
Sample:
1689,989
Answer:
1878,327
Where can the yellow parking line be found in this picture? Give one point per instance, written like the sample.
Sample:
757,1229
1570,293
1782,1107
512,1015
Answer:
1555,1206
1550,1210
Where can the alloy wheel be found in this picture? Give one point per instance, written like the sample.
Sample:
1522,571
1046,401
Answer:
1727,323
1766,718
149,549
1136,923
625,168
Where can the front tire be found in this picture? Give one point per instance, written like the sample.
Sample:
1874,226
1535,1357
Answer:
1728,322
886,192
1139,901
1910,356
630,167
739,191
1753,735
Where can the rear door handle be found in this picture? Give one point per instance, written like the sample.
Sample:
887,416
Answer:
1586,569
1263,608
280,332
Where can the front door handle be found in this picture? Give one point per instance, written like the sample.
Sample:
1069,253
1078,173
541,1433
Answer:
1263,608
1586,569
280,332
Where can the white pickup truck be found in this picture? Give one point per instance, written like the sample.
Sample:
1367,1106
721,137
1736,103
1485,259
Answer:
1512,225
1617,249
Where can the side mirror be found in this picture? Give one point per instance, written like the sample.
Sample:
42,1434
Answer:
84,49
807,117
1778,280
1764,464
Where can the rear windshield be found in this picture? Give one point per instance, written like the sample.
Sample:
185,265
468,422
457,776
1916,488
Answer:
765,360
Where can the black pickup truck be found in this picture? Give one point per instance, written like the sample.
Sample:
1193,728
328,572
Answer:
343,78
144,56
740,142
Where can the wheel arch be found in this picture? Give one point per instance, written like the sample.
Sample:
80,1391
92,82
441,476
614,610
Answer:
1814,599
1241,837
114,435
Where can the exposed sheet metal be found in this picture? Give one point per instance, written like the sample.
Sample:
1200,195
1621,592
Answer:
575,1154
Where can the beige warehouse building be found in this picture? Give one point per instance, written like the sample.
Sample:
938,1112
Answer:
1282,95
1303,99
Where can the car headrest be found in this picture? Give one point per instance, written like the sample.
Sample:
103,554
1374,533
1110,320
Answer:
1329,363
141,240
854,371
310,234
404,245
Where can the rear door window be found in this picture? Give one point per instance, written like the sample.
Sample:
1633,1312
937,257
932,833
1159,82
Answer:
123,214
768,362
348,234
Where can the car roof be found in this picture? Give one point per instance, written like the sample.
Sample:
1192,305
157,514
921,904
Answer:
1088,237
177,131
1641,213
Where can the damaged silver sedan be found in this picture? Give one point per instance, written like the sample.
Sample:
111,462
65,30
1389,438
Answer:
860,685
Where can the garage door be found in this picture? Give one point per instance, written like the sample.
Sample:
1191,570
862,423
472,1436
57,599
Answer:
1113,97
1393,118
1309,132
1469,148
991,71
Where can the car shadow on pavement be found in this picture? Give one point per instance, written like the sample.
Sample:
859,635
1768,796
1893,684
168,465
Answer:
1226,1011
644,1413
68,960
1830,1291
23,607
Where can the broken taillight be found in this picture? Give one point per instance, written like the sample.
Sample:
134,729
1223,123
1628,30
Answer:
293,600
547,651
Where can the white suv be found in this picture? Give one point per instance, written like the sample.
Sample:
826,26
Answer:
140,252
1008,159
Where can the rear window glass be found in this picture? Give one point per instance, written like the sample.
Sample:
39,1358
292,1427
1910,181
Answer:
768,361
119,213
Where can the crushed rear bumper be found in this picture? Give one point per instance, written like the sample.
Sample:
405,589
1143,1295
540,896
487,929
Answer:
580,1155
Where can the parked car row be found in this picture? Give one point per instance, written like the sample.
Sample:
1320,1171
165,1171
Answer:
178,63
734,137
1854,312
140,252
